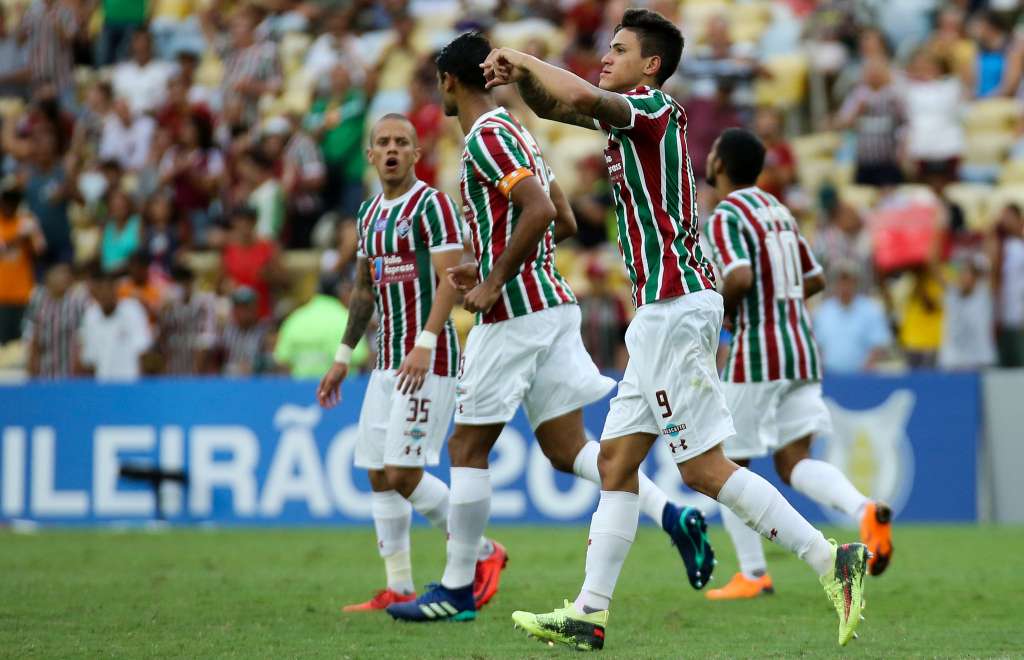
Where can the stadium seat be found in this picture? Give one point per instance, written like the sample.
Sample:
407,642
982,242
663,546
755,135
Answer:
293,52
996,114
862,198
823,145
788,82
988,147
973,200
1012,172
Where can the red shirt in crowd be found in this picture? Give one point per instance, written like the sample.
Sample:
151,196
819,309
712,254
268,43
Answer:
245,265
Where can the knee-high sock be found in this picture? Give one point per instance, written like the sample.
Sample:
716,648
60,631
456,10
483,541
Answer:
757,503
392,516
612,530
652,498
469,508
826,484
430,500
747,542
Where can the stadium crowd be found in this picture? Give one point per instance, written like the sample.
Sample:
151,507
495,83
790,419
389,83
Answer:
180,177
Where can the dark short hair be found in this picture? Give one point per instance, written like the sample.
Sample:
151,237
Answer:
742,155
658,36
182,273
462,58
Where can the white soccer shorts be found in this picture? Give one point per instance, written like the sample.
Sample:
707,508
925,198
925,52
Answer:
407,430
537,360
770,415
671,386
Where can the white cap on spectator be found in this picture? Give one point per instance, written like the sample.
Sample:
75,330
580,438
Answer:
277,125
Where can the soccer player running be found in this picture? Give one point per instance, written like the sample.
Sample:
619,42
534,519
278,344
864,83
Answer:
671,387
772,380
526,347
408,234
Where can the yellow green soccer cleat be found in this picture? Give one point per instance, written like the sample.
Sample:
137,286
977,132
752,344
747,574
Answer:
583,632
845,586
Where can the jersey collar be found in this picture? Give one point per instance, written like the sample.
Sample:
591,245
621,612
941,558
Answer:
392,203
484,117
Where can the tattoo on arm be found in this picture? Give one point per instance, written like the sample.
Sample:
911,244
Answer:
360,307
611,109
547,107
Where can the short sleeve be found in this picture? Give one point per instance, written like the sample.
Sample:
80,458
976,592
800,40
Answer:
499,157
441,224
360,238
727,243
808,263
645,109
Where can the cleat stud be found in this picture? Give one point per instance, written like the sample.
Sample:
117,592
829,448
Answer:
699,585
698,573
856,636
861,617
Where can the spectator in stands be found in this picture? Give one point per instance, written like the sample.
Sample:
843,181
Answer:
604,318
990,67
1008,276
126,136
935,138
122,19
337,46
951,45
176,28
337,120
308,338
49,28
266,194
427,117
250,261
14,66
397,62
874,111
852,331
21,241
114,334
122,231
161,238
143,284
194,169
779,172
967,338
51,325
921,318
251,66
241,342
187,325
142,80
303,174
592,203
843,238
48,188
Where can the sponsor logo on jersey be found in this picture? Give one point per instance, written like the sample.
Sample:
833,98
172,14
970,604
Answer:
381,223
404,226
416,434
674,429
613,159
394,268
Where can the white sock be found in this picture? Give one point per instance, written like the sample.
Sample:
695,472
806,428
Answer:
469,508
485,550
826,484
747,542
392,516
612,530
430,499
652,498
757,503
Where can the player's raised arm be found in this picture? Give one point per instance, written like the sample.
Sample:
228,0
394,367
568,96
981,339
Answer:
555,93
360,312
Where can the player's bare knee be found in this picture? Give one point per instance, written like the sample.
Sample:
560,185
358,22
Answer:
707,472
465,449
379,480
787,457
403,479
560,458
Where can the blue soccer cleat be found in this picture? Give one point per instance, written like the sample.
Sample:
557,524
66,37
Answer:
689,533
438,604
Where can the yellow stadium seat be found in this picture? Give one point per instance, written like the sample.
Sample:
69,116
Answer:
814,171
992,115
988,148
1012,172
293,51
862,198
787,84
973,200
751,11
821,145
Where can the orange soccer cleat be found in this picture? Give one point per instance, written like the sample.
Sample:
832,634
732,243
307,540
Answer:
876,534
740,586
380,601
488,575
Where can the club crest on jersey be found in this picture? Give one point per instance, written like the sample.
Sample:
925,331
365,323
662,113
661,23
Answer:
404,226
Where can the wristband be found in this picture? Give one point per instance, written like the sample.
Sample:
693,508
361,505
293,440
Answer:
343,355
427,340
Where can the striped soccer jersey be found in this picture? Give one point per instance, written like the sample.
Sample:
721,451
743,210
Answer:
499,153
773,338
396,238
656,199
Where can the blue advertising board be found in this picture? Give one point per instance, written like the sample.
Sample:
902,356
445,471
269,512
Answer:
260,452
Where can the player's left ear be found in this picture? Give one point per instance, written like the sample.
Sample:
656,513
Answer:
652,66
417,153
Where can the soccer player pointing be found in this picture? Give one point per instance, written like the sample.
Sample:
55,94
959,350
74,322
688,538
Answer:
671,386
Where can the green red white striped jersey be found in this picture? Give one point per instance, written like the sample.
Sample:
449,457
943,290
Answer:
656,199
499,153
396,238
773,339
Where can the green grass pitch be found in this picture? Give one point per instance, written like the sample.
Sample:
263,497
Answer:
951,591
